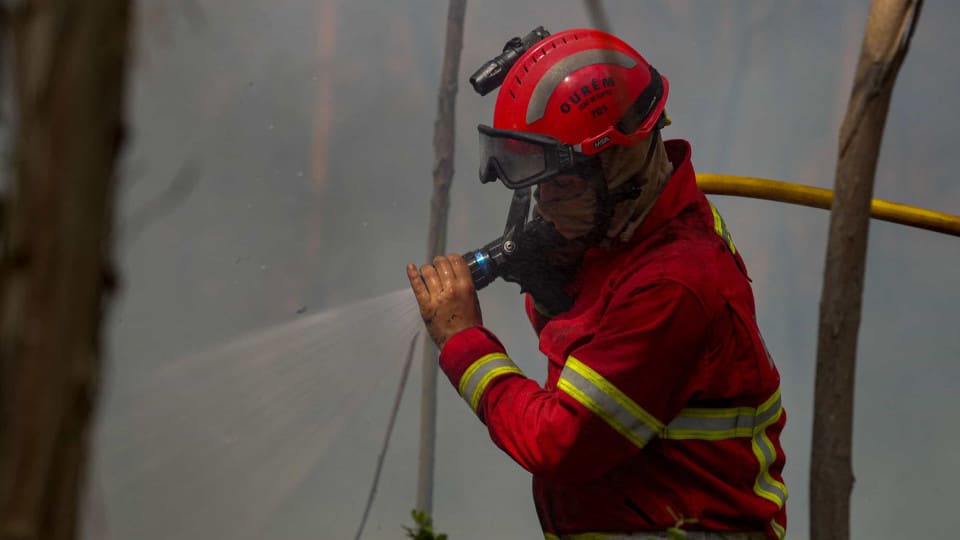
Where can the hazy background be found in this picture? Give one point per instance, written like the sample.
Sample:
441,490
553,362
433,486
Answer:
302,134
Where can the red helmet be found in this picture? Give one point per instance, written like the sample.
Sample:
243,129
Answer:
585,88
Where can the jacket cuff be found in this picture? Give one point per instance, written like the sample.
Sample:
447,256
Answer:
464,348
472,360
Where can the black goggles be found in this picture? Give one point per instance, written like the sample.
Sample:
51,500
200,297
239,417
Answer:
522,159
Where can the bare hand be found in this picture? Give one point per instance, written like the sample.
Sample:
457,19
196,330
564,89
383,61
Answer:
448,301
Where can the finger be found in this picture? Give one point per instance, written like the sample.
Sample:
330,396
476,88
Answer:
451,260
460,270
431,278
416,283
446,272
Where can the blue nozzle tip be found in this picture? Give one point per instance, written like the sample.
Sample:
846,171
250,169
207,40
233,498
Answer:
480,258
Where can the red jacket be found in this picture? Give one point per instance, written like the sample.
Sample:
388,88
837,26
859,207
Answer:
662,405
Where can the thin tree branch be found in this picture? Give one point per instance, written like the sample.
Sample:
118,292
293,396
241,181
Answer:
152,211
597,14
443,144
386,438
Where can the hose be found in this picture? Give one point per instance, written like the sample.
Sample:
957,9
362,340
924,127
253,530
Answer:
786,192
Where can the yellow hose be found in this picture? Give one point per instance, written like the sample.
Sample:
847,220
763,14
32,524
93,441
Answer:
786,192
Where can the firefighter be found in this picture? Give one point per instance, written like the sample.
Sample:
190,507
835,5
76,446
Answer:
661,413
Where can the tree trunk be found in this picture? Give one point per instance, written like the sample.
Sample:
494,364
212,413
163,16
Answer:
443,145
597,14
890,26
69,69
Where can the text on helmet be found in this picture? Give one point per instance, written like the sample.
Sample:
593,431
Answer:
589,93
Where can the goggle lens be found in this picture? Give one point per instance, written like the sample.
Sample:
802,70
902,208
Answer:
511,160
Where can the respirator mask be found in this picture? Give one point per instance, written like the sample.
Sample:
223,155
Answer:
531,253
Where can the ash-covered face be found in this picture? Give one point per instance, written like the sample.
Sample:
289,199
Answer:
569,202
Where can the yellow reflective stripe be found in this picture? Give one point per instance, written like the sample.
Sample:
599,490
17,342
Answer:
468,374
600,397
482,385
719,424
740,422
711,424
580,536
770,402
707,435
781,532
622,399
717,220
765,485
718,413
478,376
770,451
720,226
600,411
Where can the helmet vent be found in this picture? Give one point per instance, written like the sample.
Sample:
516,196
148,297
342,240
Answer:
514,96
518,81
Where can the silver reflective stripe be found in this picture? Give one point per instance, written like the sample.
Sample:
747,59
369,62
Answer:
778,529
718,424
555,75
603,399
710,428
599,396
475,380
721,424
774,489
765,485
700,535
769,415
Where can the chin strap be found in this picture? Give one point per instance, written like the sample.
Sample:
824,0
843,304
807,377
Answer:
631,190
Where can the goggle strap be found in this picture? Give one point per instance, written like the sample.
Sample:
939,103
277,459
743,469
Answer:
564,156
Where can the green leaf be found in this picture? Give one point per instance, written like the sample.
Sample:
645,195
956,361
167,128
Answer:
423,529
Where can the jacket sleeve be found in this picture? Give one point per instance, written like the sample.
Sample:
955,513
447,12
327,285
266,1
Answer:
615,394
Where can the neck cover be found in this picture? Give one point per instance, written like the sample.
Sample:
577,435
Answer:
641,164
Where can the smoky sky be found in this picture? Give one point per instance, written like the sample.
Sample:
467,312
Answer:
308,125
